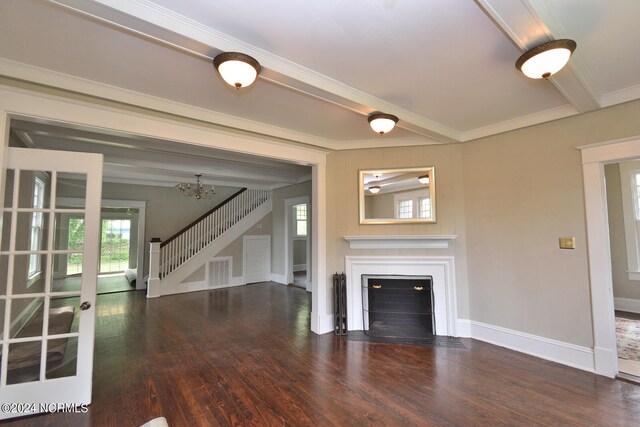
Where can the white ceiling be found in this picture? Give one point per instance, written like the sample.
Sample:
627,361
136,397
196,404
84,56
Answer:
445,68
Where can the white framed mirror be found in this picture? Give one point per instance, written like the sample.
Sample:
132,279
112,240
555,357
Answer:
397,196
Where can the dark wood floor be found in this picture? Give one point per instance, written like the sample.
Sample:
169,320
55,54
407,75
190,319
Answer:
245,356
628,315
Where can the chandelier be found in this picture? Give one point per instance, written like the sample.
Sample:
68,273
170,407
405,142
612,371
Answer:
197,191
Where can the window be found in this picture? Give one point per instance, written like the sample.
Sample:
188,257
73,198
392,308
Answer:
36,227
405,208
300,220
413,205
424,207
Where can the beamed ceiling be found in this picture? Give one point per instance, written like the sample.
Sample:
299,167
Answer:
445,68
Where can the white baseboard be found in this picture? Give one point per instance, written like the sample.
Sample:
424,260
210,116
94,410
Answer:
233,282
463,328
321,324
279,278
299,267
556,351
627,304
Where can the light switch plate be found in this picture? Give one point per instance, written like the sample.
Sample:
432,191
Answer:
567,243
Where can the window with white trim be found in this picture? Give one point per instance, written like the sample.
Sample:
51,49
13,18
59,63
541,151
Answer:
405,208
424,207
300,220
35,238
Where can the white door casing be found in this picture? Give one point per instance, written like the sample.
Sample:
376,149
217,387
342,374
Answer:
25,103
256,258
594,157
54,384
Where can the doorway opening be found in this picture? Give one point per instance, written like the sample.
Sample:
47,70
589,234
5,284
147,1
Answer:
297,242
118,249
623,211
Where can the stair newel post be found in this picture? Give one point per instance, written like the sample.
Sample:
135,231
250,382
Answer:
153,286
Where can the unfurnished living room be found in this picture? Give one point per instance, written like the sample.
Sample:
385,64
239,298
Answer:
383,212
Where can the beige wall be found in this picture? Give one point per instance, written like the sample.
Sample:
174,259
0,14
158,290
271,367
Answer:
523,190
509,197
622,286
299,251
167,211
380,206
342,203
277,240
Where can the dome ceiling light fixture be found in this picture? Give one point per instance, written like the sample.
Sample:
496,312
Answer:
424,179
382,123
236,68
543,61
375,189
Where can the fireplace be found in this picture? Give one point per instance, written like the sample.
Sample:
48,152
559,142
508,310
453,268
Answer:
398,306
440,270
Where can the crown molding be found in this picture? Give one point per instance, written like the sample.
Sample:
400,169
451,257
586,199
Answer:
619,96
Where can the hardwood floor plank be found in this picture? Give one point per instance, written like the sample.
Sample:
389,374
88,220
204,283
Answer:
245,356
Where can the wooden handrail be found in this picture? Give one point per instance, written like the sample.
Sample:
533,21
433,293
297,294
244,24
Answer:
203,216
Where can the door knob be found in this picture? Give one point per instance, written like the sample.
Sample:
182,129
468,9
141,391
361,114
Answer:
86,305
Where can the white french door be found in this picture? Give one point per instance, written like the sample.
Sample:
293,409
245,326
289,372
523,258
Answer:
46,322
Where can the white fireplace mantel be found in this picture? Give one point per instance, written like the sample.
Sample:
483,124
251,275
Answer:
411,241
440,268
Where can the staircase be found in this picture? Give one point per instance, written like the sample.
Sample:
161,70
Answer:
173,260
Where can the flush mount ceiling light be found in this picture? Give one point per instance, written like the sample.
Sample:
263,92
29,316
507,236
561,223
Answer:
544,60
236,68
424,179
375,189
382,123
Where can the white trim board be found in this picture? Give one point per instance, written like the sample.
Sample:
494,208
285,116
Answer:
279,278
556,351
627,304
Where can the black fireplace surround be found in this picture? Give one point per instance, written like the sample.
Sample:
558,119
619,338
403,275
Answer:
396,306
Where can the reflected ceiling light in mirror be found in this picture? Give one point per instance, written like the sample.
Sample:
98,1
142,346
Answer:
375,189
424,179
237,69
544,60
382,123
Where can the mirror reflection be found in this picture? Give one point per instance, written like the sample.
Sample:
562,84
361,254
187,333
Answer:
395,196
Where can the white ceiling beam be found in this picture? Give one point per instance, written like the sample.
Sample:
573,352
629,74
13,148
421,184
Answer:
529,23
143,12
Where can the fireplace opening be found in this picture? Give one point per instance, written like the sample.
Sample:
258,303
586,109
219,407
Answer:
397,306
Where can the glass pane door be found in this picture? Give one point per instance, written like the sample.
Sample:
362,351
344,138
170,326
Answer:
46,340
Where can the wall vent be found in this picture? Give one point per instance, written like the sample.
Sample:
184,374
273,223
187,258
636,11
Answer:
219,272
